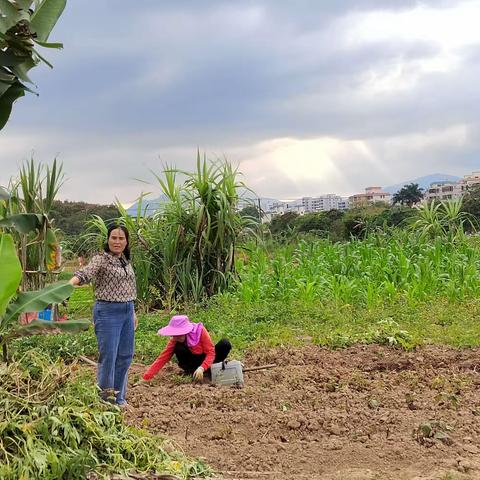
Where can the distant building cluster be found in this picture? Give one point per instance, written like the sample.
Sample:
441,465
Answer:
311,204
271,207
325,203
452,190
437,191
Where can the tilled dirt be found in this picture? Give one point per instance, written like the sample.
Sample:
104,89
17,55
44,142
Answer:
362,413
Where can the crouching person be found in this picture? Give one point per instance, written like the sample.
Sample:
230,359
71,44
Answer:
193,347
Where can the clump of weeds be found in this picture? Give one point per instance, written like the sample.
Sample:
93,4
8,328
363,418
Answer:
358,382
447,400
428,433
332,385
179,379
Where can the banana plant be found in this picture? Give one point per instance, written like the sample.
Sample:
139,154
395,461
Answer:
24,24
14,303
24,211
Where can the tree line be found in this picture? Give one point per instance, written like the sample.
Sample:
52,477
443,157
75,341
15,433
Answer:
338,225
71,217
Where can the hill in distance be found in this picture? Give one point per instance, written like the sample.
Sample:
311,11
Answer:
151,205
423,182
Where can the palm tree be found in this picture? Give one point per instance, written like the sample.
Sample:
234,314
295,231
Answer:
408,195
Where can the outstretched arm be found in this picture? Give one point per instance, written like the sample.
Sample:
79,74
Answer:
88,273
159,363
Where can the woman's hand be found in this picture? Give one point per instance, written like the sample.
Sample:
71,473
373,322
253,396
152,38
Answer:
198,374
75,281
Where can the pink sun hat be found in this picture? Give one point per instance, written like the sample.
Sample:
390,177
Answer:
178,325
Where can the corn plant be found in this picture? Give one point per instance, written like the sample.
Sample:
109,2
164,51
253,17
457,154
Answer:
384,267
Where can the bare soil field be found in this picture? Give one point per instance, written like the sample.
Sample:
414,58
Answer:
362,413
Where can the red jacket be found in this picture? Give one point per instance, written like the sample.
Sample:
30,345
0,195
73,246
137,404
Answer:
205,345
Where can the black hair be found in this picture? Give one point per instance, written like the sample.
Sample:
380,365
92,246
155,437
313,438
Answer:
126,252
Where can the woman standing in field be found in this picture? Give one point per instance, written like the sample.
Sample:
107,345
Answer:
113,312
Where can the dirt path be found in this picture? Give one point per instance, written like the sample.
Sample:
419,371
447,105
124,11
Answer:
362,413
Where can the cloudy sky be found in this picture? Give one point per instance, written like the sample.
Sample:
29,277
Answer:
307,97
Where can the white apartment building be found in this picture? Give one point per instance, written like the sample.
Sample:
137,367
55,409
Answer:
471,179
444,191
303,205
293,206
452,190
324,203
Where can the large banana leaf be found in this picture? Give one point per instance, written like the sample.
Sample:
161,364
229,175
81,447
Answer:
9,59
42,326
52,251
20,27
11,269
24,222
24,4
36,301
13,93
45,17
9,15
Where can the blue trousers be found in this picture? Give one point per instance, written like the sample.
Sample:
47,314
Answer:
115,332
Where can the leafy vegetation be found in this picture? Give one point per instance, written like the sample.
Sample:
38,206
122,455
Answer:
185,251
471,204
338,225
253,212
55,426
24,213
380,269
445,219
276,322
29,235
53,423
401,287
24,24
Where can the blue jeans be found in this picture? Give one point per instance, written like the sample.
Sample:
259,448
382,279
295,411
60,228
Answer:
115,332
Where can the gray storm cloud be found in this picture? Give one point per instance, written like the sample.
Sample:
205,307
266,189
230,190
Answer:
307,97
